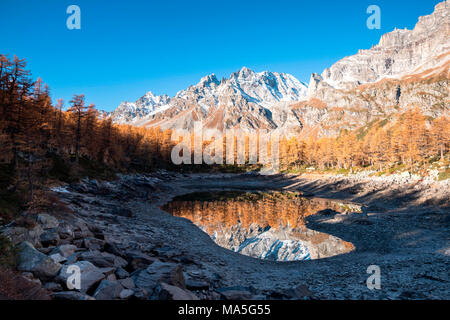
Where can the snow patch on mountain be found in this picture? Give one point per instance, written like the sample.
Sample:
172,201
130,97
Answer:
283,243
264,89
267,247
147,105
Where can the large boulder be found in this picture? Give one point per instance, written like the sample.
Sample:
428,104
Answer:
50,237
109,272
94,243
122,273
72,258
127,283
31,260
139,260
65,231
103,259
126,293
65,250
165,291
111,247
57,258
193,284
47,221
18,235
157,273
108,290
90,275
81,230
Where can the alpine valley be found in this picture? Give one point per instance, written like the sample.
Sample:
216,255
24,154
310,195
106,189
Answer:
353,202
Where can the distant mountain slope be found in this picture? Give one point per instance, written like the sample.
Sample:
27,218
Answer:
145,106
246,99
407,68
398,53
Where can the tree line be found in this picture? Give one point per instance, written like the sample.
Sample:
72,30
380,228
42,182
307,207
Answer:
40,139
408,139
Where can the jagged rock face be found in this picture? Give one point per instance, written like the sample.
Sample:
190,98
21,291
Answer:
247,100
332,110
268,226
281,243
398,53
407,68
147,105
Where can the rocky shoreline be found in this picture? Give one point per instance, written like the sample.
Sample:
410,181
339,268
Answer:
128,248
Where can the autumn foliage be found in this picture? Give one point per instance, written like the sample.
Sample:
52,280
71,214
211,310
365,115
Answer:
14,286
408,138
277,210
41,141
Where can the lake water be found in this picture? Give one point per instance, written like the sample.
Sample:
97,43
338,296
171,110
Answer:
264,225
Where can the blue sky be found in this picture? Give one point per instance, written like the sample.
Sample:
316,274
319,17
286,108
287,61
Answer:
126,48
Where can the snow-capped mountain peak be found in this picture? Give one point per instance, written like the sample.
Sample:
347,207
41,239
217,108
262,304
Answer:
129,112
267,88
208,81
406,68
263,89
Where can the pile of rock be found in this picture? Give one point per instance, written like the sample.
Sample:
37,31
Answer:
49,252
113,265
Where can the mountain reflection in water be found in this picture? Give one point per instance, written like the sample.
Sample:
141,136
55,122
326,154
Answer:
264,225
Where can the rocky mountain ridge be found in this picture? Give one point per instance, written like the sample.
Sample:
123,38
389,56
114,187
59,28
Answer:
210,99
400,52
280,244
407,68
144,106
